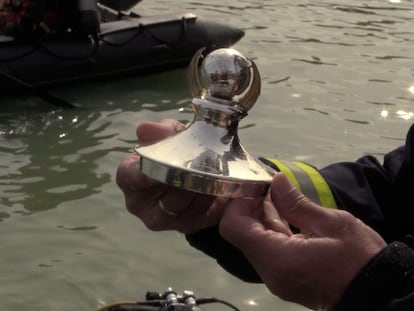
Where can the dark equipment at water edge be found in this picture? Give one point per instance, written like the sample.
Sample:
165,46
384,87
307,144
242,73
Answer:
169,300
108,42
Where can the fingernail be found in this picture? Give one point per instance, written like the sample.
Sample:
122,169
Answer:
179,127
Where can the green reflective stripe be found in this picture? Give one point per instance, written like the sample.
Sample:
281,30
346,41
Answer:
287,171
308,180
324,191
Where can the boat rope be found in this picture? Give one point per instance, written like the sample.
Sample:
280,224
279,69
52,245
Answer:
172,44
127,41
142,29
39,45
94,50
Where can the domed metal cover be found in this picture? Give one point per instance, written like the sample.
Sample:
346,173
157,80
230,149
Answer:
208,156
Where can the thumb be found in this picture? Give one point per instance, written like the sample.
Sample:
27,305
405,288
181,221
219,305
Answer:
151,132
297,209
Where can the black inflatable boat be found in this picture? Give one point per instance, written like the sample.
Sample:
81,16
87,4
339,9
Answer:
124,44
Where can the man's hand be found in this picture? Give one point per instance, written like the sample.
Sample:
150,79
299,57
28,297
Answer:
312,268
159,206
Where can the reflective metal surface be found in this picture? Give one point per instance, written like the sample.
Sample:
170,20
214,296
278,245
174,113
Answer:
208,156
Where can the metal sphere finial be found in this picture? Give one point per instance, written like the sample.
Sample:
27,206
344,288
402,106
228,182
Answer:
226,74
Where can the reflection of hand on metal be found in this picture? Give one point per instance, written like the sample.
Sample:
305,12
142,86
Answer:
165,210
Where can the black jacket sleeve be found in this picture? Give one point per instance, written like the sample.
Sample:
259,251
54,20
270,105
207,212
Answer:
380,195
227,256
386,283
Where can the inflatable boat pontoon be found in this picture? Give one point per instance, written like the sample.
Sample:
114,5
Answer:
124,44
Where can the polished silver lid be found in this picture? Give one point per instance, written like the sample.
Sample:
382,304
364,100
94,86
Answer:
208,157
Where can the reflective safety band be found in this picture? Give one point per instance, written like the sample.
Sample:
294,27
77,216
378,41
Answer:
308,180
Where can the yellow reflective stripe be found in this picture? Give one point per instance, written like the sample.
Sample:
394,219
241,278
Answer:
324,191
287,171
308,180
306,185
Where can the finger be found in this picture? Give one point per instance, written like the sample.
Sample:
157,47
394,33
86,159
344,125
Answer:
243,221
240,222
143,194
151,132
180,202
271,218
298,210
176,209
201,211
129,178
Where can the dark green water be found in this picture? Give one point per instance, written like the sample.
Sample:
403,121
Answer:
336,85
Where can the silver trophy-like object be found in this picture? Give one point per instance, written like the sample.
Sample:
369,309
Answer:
208,157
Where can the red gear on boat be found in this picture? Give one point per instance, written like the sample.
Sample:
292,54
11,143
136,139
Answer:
12,12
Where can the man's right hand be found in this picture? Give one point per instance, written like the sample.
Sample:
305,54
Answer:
312,268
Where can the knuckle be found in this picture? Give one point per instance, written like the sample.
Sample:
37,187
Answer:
126,174
345,221
120,174
298,202
131,208
153,225
225,228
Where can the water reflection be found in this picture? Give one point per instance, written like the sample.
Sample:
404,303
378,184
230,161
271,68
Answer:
404,114
50,169
49,156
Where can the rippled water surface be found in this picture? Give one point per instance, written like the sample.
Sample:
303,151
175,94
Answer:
337,84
